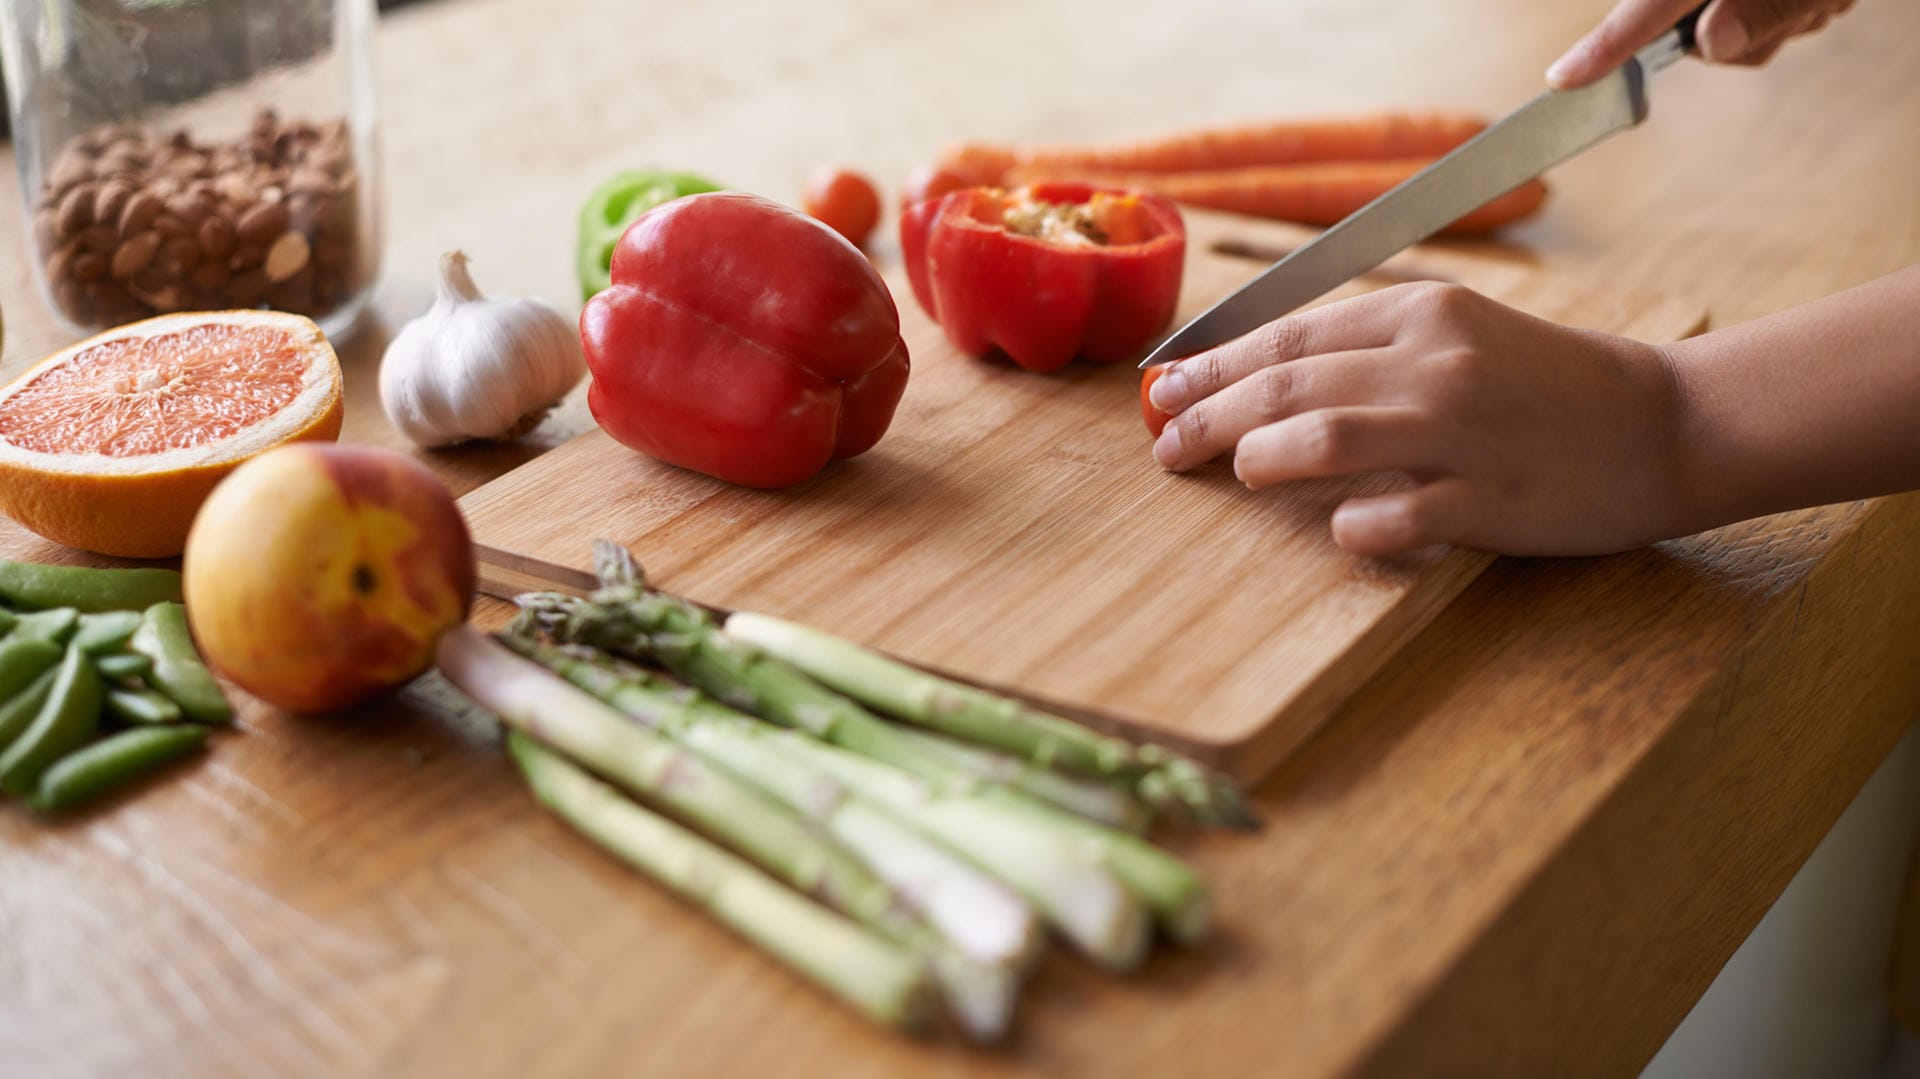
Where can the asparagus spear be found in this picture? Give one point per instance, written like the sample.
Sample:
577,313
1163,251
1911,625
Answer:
687,641
882,979
1102,801
1169,887
1065,878
986,933
528,698
984,919
1059,874
1166,780
689,644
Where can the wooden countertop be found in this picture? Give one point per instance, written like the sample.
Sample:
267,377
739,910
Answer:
1524,849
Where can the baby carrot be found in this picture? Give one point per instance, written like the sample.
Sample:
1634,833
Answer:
1313,194
1370,137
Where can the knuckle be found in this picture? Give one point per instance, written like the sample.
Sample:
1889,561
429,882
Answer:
1275,391
1410,520
1439,299
1204,373
1285,339
1195,426
1404,522
1326,438
1455,367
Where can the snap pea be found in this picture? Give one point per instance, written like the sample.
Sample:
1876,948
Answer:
106,631
177,671
31,584
56,625
18,712
70,716
7,619
143,706
113,762
21,661
118,665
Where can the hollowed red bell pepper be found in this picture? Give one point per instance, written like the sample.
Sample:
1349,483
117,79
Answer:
744,340
1048,272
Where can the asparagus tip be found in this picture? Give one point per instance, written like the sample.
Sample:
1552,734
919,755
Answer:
616,566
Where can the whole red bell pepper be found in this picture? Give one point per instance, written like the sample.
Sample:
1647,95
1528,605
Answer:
1048,272
743,339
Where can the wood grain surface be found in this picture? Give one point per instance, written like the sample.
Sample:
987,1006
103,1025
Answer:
1524,848
1010,530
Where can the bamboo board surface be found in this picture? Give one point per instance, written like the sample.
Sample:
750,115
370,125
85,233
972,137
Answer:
1013,529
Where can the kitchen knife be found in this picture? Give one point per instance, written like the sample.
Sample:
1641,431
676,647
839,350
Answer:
1542,133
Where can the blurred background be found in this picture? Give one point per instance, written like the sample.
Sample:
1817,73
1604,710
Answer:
208,72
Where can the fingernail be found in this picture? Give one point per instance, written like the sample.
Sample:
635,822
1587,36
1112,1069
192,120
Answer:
1169,391
1166,448
1558,71
1724,40
1564,71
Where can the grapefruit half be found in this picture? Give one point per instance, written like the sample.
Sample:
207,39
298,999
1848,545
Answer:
111,445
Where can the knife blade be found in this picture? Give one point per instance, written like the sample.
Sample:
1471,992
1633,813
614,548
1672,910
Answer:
1540,134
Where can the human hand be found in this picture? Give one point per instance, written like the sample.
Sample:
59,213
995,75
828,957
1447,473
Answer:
1730,32
1520,435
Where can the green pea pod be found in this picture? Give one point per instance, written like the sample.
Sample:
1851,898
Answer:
18,712
177,671
67,721
22,659
31,584
55,625
112,763
618,203
107,631
116,666
142,706
7,619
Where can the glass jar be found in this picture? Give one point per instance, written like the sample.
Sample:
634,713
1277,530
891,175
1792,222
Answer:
195,154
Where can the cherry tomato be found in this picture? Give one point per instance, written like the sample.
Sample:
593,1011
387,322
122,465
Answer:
845,201
1156,419
930,182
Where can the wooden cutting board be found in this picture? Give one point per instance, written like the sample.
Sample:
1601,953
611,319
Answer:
1013,529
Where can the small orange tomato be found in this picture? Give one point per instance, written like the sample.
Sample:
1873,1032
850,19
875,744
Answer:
845,201
1156,419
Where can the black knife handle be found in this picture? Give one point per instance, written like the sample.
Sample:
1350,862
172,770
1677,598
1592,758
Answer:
1687,28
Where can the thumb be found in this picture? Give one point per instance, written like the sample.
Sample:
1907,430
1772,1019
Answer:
1628,28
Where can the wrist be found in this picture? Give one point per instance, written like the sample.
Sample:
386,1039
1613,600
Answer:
1708,487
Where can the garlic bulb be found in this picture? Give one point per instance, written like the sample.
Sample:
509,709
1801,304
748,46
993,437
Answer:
474,368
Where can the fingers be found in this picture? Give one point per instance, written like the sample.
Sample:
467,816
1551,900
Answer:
1214,425
1751,31
1730,32
1366,321
1337,442
1439,512
1629,27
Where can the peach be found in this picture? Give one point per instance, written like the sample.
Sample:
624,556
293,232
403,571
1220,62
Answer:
318,576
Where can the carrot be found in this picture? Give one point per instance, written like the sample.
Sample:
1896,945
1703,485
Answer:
1320,193
1371,137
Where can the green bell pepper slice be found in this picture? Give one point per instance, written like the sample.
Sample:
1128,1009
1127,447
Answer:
618,203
